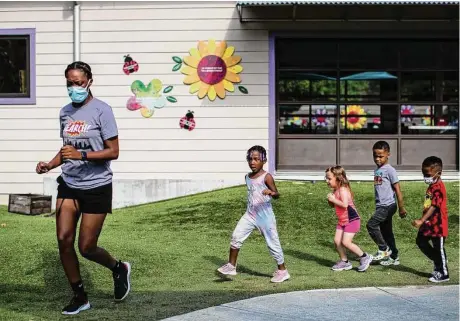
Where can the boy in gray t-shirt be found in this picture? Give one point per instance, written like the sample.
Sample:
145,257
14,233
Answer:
387,192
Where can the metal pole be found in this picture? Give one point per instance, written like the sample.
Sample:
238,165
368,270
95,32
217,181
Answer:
76,31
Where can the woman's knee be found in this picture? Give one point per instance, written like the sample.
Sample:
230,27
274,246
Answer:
65,239
87,247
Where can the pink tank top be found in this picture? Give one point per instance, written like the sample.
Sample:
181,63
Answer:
346,215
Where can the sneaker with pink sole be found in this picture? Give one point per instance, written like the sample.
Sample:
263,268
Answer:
227,269
280,276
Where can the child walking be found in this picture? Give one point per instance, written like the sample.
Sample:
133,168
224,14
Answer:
386,187
433,225
259,214
348,220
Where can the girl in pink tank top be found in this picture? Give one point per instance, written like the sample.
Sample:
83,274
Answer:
349,221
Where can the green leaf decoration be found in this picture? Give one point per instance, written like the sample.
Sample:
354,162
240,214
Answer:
177,59
171,99
177,67
243,90
168,89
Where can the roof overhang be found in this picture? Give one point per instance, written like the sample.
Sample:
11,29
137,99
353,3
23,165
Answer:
279,11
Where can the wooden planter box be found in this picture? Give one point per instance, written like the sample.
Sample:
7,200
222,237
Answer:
29,204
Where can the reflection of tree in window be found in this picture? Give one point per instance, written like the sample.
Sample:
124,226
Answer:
13,62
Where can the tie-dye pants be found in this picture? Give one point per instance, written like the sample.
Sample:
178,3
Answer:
266,224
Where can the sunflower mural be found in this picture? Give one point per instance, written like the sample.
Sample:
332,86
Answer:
211,70
355,117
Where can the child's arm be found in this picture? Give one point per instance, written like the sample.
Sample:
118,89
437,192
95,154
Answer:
344,194
425,216
272,190
402,210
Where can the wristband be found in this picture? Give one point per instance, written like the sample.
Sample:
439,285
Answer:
84,156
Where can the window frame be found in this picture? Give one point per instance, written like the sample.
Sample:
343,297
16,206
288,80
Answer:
32,98
399,70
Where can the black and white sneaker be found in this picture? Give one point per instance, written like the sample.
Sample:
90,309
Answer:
122,282
438,277
77,304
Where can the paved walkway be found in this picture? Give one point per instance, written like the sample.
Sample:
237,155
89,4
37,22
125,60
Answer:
420,303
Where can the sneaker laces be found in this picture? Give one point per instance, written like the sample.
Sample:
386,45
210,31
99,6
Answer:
278,272
228,266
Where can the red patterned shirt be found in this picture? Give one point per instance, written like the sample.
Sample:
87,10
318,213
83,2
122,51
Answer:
436,225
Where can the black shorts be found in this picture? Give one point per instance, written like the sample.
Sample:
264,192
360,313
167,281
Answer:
93,201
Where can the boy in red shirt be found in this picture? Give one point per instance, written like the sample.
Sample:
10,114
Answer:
434,225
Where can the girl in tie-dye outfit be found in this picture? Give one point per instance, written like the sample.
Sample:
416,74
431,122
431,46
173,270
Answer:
259,214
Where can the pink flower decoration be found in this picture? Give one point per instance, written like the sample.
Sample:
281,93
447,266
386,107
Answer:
133,103
406,112
320,120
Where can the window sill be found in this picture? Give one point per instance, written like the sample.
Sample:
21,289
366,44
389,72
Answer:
18,101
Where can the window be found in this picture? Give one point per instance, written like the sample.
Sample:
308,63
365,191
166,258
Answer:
307,86
429,119
370,86
367,86
368,119
17,66
307,119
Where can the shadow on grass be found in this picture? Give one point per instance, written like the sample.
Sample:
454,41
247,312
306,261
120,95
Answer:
43,304
404,268
207,214
309,257
54,276
241,268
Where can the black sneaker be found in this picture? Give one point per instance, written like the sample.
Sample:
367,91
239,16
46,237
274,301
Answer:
438,277
77,304
121,282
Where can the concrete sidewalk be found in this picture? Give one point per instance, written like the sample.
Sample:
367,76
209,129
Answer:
421,303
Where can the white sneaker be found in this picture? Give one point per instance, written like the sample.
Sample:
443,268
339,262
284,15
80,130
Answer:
380,255
389,261
227,269
280,276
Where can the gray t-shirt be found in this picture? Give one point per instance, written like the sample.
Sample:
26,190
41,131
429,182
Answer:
86,128
384,178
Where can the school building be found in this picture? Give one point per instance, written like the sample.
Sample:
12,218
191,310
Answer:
193,85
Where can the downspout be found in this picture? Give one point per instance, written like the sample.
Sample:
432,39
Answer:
76,31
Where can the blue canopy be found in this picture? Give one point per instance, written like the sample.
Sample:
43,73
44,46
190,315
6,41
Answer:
370,75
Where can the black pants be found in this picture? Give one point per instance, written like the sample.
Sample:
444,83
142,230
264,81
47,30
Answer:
435,252
380,228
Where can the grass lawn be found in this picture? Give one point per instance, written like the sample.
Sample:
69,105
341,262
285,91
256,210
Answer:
175,246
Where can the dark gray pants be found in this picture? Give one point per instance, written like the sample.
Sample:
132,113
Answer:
380,228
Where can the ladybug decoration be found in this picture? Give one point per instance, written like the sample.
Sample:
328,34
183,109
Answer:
130,65
187,122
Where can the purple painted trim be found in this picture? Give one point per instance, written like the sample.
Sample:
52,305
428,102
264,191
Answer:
32,100
271,104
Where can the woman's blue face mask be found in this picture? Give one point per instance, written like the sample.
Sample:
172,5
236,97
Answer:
78,94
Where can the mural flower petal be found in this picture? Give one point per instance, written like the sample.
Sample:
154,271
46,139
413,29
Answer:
231,61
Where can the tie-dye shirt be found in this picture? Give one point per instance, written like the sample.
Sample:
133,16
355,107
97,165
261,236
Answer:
257,202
